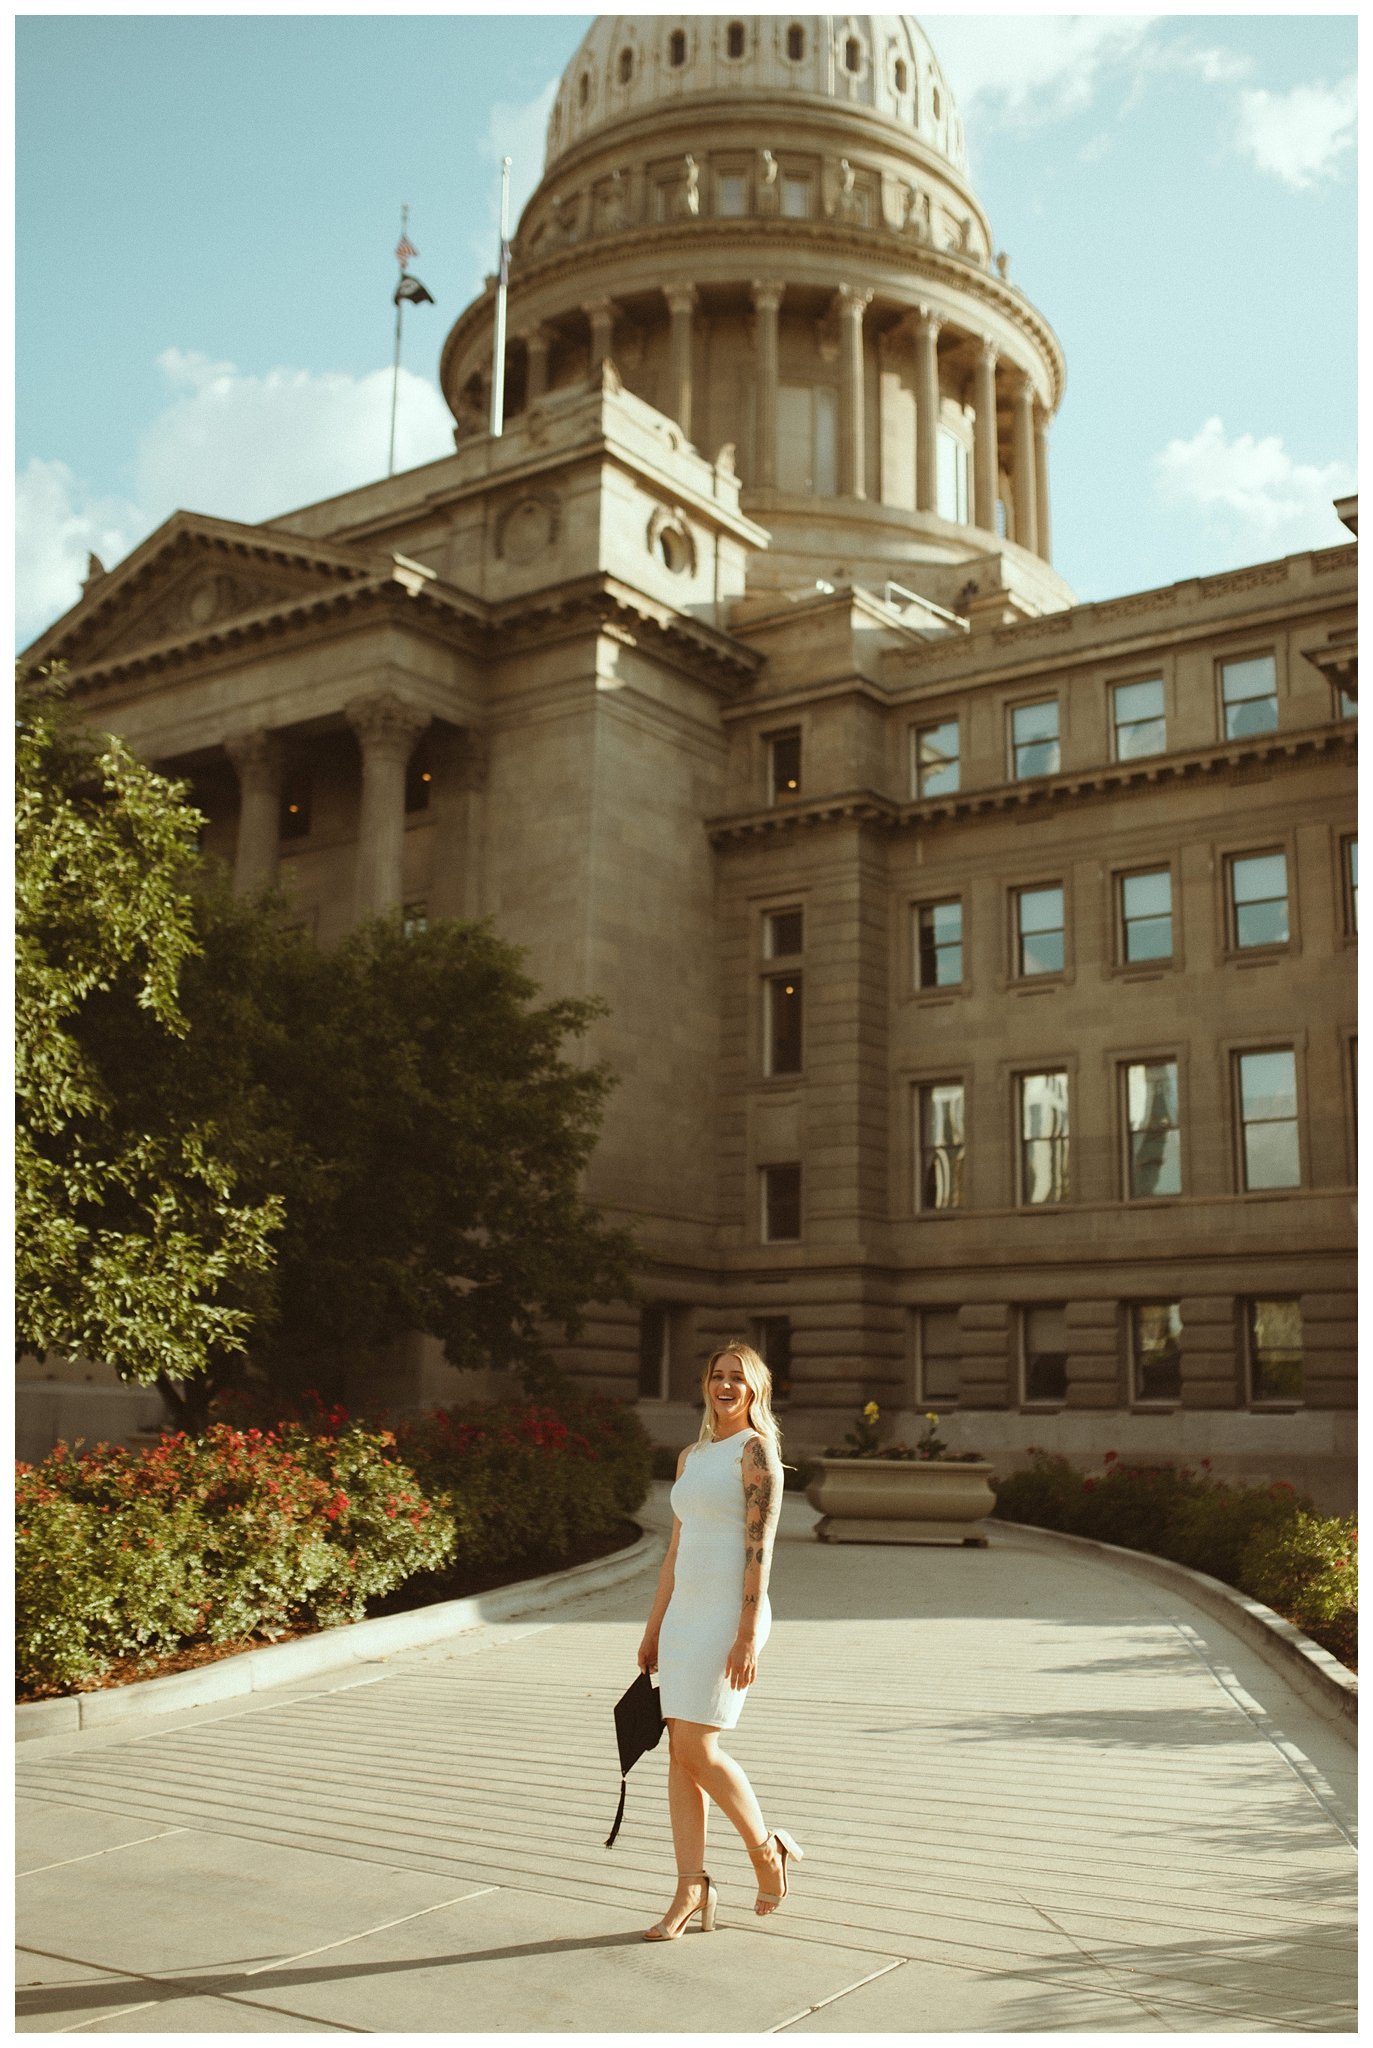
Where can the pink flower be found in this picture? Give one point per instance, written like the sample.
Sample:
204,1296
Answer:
1109,1456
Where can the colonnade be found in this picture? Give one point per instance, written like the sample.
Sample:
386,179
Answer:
919,331
387,728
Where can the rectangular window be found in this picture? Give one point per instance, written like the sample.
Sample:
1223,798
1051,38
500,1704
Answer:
772,1342
781,1204
1151,1104
1274,1336
414,919
1137,710
795,198
1156,1351
938,1357
1146,915
1268,1119
938,945
782,1024
1034,740
655,1350
731,195
1039,930
941,1145
808,439
1249,693
783,931
1351,887
419,780
1044,1352
295,805
951,478
1345,705
934,759
1258,900
784,766
1044,1137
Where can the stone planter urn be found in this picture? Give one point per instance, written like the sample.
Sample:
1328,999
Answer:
902,1500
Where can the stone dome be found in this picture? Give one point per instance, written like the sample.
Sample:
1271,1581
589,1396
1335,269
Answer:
628,64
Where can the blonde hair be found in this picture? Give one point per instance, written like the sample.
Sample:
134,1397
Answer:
758,1380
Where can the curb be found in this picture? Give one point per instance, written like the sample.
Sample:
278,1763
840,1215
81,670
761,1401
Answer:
328,1649
1321,1678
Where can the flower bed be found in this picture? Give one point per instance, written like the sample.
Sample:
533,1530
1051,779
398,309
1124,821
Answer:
1266,1540
129,1560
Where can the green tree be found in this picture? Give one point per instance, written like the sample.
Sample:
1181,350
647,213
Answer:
129,1241
415,1107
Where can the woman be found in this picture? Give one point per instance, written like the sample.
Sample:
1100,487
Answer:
709,1623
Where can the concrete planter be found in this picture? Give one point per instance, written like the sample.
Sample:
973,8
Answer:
891,1500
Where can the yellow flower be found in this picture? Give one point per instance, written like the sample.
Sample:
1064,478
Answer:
930,1415
871,1411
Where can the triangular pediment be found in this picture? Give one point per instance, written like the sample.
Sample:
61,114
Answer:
191,577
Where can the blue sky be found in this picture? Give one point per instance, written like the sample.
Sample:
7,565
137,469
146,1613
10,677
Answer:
207,207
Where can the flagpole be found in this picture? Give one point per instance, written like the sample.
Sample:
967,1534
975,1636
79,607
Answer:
395,372
498,344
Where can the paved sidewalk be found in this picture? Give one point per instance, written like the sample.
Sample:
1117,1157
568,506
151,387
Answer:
1038,1794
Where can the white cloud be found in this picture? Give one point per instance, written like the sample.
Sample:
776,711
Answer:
1298,136
1253,498
1034,67
238,446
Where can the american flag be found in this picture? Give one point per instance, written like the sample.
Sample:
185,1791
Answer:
405,249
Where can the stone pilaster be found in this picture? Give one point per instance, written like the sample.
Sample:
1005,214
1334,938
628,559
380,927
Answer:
1210,1353
1042,486
536,346
1023,476
257,759
387,728
681,303
601,314
984,438
852,304
987,1376
767,297
1093,1332
926,329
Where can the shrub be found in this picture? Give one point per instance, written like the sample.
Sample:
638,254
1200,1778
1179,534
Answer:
208,1539
1046,1493
1211,1528
1308,1569
1134,1505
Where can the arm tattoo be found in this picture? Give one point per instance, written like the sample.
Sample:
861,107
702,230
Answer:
761,1508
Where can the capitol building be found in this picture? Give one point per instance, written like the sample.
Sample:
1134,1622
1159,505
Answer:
979,963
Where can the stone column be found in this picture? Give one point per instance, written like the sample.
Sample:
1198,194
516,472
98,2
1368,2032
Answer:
1042,485
1023,455
601,314
536,346
926,410
387,728
767,297
257,758
681,302
984,438
852,419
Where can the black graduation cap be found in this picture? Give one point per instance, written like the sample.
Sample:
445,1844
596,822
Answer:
638,1729
411,288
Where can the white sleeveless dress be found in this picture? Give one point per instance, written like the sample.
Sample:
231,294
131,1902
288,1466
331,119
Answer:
702,1618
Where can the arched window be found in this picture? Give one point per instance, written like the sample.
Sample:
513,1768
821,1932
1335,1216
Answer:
583,88
935,103
853,54
734,39
626,66
796,42
901,74
676,48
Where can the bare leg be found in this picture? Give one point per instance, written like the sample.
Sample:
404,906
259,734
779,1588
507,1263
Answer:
723,1780
687,1807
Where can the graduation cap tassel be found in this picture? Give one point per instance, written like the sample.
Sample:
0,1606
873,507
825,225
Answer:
619,1816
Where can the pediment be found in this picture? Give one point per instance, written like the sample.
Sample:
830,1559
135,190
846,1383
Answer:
191,577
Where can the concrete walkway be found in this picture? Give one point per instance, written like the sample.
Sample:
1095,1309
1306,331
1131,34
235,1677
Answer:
1037,1794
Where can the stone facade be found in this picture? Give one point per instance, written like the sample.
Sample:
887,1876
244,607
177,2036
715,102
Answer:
980,964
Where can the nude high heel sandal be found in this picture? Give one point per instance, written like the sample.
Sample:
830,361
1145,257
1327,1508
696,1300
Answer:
768,1902
705,1906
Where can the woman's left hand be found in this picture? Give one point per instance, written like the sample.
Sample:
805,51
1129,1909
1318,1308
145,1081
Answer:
741,1665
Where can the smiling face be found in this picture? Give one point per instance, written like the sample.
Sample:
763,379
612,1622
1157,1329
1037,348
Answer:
728,1392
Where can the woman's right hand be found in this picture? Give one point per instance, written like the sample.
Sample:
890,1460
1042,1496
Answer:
648,1650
